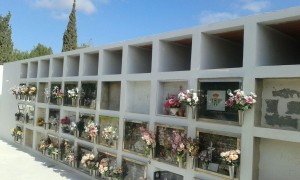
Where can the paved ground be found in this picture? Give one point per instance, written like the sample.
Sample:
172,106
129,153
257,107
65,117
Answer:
18,163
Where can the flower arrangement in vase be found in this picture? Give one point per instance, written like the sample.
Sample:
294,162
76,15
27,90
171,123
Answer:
110,134
73,93
24,91
92,129
193,147
240,101
88,161
57,94
173,104
17,133
178,141
117,173
104,168
32,92
149,138
190,99
40,121
232,159
16,91
65,124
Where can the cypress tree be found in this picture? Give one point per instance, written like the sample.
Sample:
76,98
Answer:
70,35
6,44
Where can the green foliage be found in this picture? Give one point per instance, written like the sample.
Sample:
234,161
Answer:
6,44
70,34
39,50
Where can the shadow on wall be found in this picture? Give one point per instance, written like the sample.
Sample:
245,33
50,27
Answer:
54,166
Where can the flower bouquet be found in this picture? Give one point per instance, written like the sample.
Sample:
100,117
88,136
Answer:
16,91
232,159
65,122
92,129
117,173
190,99
71,158
40,121
24,91
240,100
73,93
172,103
193,146
110,134
88,161
178,141
32,92
53,151
149,138
104,168
17,133
57,94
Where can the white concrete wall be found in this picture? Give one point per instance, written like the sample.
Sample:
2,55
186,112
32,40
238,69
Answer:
164,79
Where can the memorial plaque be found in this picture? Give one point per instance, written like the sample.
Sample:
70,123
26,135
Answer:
133,169
213,96
211,146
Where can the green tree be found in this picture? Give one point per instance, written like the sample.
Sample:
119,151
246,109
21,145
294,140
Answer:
70,34
40,50
6,44
20,55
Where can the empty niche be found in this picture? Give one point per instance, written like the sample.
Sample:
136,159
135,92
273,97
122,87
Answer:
112,62
278,44
91,61
28,138
273,151
110,96
57,67
33,69
167,89
24,69
222,50
43,92
139,59
44,68
175,55
138,97
72,65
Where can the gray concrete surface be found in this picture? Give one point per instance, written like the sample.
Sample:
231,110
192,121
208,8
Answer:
18,163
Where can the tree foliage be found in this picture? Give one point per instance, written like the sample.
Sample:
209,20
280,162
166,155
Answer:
39,50
70,34
6,44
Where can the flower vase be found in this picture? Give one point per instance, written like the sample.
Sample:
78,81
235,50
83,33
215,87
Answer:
59,101
173,111
74,102
53,156
192,162
180,163
194,109
93,139
231,172
44,152
204,166
241,117
33,98
151,155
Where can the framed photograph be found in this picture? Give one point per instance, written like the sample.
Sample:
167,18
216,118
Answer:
216,100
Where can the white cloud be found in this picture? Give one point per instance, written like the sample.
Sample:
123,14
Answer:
60,15
208,17
86,6
256,6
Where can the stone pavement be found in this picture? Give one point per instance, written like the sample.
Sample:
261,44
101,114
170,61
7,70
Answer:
18,163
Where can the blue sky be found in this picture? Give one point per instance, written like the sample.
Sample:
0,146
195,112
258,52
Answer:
107,21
